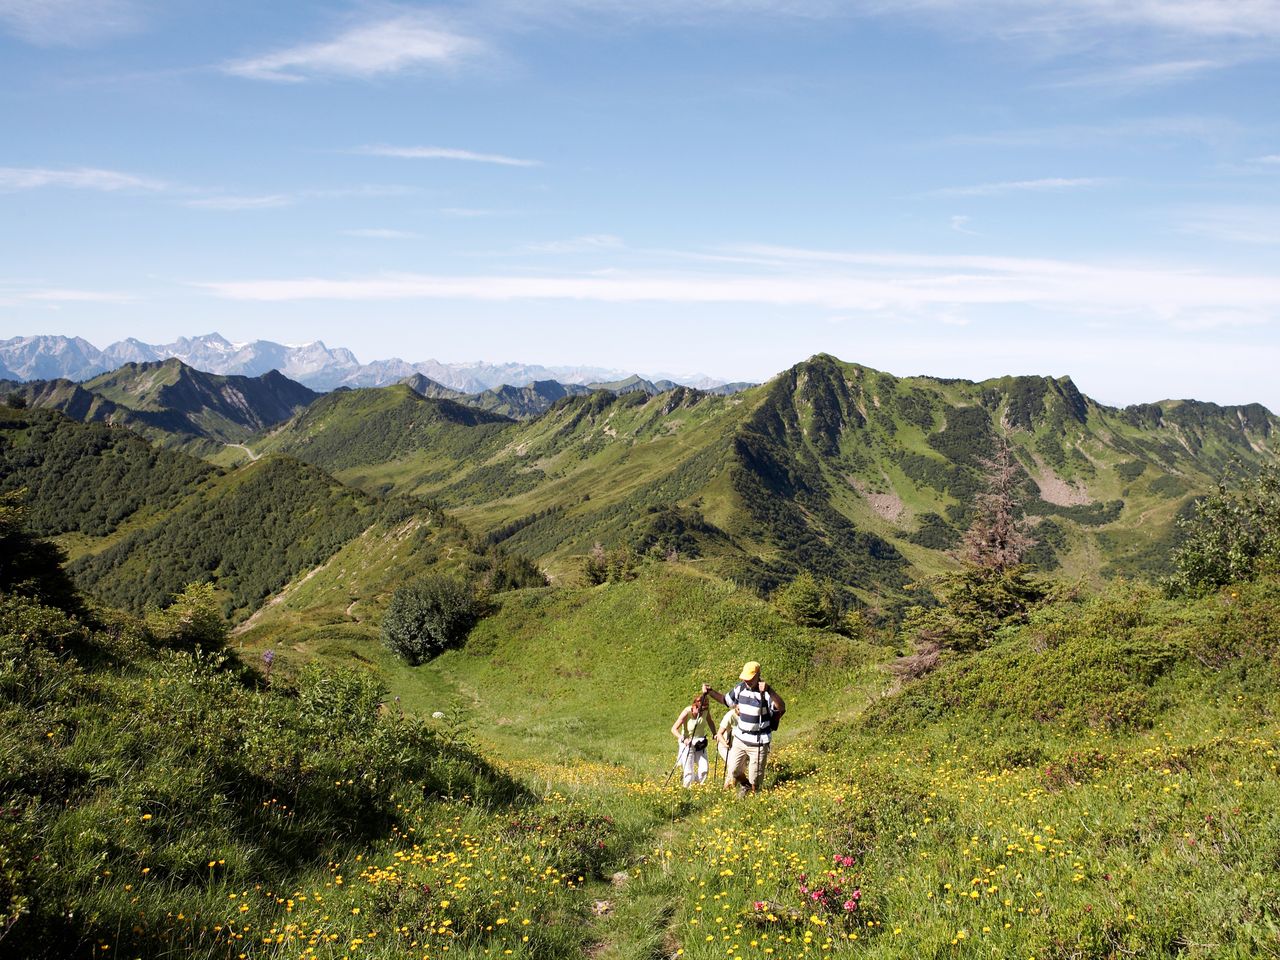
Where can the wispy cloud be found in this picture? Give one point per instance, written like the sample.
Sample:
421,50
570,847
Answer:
586,244
1271,159
266,201
369,50
76,178
1234,224
471,212
1045,184
960,224
1211,130
13,294
443,153
70,23
1079,21
1128,78
380,233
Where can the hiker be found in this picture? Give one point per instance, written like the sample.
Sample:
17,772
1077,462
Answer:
724,734
757,710
692,731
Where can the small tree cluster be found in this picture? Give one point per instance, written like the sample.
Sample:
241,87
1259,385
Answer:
429,615
972,605
609,566
1233,536
28,566
808,602
993,589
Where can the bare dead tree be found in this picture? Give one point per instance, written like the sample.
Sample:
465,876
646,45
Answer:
997,540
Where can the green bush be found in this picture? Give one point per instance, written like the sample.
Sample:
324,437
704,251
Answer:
973,604
1233,536
808,603
428,616
193,620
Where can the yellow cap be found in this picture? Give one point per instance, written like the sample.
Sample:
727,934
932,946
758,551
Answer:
750,670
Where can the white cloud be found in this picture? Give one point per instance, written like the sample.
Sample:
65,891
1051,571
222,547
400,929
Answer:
443,153
871,283
960,224
1211,130
1019,186
70,23
380,233
264,201
369,50
1273,158
1079,21
76,178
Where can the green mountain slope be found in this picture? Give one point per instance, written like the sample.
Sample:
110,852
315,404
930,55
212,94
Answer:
832,467
523,403
84,482
250,532
184,400
174,404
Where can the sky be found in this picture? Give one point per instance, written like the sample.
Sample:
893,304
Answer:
960,188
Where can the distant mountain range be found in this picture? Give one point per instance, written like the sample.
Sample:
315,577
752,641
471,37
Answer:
312,364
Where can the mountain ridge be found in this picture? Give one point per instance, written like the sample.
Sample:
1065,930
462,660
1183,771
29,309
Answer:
49,357
173,402
831,467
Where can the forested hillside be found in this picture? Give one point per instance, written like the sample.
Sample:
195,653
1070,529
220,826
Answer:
90,479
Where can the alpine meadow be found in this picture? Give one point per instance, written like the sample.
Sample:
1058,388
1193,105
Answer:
363,682
580,480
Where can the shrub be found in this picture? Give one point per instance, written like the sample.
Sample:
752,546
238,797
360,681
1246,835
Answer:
609,566
1233,536
809,603
428,616
973,604
194,619
350,695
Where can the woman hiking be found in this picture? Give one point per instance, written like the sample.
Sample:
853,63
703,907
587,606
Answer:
692,731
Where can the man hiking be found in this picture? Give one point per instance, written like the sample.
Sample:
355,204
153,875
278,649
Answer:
757,710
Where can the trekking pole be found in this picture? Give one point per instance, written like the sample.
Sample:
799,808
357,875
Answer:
676,765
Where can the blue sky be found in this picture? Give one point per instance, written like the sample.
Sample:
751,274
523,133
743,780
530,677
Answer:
955,188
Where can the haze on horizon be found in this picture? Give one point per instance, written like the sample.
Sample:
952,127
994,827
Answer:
970,189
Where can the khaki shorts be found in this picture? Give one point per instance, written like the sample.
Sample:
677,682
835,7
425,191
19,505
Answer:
745,765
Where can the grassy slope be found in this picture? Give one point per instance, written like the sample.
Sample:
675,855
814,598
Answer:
658,637
1102,780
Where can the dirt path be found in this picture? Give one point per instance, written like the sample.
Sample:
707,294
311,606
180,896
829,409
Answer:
252,456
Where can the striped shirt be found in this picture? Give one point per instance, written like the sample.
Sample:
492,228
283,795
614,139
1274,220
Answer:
754,713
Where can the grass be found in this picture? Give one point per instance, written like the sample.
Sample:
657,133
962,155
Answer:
1099,783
